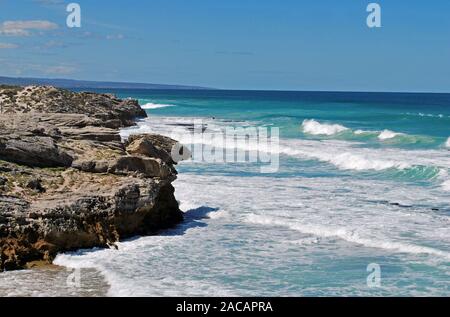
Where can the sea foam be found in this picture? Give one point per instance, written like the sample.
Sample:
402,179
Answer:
446,186
344,155
312,212
388,134
315,128
447,144
150,105
348,235
430,115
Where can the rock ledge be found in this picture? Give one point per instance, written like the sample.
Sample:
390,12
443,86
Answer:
67,181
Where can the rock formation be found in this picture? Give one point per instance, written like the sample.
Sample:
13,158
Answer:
67,181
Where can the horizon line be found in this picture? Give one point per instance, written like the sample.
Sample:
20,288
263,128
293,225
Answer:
199,87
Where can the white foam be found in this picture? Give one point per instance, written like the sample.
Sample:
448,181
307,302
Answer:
341,154
387,134
447,144
446,186
431,115
143,267
198,259
351,156
315,128
344,155
349,161
219,214
150,105
348,235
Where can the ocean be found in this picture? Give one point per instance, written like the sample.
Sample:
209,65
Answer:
359,204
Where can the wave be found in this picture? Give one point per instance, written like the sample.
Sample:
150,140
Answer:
348,160
164,266
360,132
405,164
111,264
430,115
388,134
315,128
428,165
344,155
447,144
151,105
348,235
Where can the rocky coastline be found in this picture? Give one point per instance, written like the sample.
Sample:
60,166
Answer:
68,181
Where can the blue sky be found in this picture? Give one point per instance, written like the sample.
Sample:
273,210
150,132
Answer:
236,44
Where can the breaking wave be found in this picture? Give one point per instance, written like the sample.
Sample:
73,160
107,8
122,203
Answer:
345,155
429,115
348,235
150,105
315,128
388,134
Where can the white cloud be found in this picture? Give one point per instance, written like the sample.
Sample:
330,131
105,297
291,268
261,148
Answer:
17,67
14,32
53,43
49,2
60,70
8,46
115,37
23,28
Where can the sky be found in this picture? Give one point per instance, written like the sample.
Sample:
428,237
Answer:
232,44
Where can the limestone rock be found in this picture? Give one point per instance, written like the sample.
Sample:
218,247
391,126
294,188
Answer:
158,146
149,167
40,151
66,179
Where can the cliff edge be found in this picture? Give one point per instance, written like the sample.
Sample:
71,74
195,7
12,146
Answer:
67,181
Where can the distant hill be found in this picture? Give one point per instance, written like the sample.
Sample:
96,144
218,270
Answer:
70,83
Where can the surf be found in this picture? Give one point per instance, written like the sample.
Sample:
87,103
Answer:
350,236
315,128
151,106
387,134
344,155
350,189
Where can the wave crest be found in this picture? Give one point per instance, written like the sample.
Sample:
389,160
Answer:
388,134
151,105
315,128
348,235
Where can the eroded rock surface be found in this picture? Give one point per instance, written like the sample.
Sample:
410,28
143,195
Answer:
66,179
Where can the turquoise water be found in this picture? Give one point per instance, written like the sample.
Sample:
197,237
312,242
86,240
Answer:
363,178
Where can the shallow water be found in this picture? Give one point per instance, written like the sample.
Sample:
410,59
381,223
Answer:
53,281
